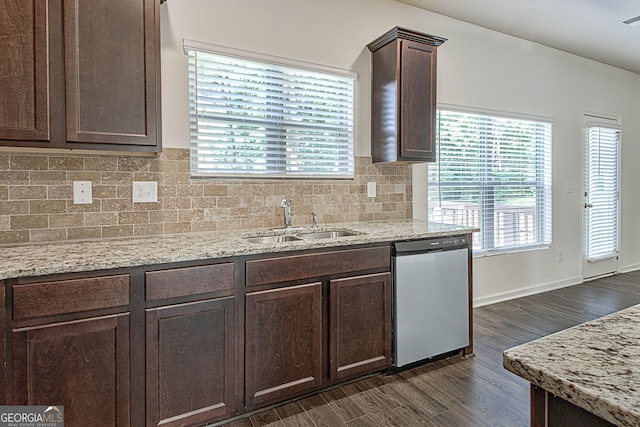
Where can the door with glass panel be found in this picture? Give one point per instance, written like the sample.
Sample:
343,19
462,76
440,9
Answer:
601,155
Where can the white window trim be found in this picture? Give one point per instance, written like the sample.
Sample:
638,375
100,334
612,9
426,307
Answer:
497,113
516,116
188,44
306,170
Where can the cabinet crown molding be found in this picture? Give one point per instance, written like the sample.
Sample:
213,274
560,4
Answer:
405,34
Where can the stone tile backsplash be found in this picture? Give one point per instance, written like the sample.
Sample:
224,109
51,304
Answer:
36,197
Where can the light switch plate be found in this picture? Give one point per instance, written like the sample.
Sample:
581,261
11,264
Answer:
371,189
82,194
145,192
568,187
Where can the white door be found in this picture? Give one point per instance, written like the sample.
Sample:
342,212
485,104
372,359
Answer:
600,199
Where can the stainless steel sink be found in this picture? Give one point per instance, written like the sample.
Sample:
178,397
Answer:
327,234
274,239
311,235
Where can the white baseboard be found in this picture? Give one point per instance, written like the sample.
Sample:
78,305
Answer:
526,291
629,268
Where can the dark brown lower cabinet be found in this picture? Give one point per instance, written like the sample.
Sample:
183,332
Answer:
4,369
283,343
190,362
360,325
82,365
192,344
548,410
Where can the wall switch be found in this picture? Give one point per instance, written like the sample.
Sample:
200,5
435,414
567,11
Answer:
560,256
145,192
82,194
371,189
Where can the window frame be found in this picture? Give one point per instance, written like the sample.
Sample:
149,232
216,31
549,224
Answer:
319,148
543,212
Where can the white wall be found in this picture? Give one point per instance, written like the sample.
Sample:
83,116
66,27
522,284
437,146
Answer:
476,68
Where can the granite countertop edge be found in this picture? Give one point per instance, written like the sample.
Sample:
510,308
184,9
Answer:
41,259
594,365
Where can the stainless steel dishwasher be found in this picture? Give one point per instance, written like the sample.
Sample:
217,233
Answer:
431,298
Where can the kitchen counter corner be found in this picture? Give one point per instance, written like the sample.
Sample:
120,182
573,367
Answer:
595,366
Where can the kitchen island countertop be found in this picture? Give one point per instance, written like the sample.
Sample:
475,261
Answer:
80,256
594,366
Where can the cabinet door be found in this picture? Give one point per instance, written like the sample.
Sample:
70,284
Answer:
359,325
417,101
283,343
190,362
82,365
111,57
4,369
24,79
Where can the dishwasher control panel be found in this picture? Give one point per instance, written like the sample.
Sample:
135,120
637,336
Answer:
427,245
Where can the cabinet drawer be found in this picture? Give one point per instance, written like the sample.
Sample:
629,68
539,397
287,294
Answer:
69,296
180,282
296,267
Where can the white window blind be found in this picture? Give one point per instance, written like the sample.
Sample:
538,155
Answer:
260,118
600,238
493,173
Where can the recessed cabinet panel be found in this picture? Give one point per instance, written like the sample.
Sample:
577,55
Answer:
283,347
190,362
360,325
24,77
82,365
110,71
418,100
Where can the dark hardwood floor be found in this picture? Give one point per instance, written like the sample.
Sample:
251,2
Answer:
457,392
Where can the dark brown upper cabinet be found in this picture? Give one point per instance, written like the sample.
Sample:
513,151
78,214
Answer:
403,96
80,74
24,71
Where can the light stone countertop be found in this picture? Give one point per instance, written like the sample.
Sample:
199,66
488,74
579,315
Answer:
595,366
66,257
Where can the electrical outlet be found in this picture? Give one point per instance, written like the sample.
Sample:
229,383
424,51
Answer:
145,192
371,189
560,256
82,194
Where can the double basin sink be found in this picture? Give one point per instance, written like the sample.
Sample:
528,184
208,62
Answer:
306,235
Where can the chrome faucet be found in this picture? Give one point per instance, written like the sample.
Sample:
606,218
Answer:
286,204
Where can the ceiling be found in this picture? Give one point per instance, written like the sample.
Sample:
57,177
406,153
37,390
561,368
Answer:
590,28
